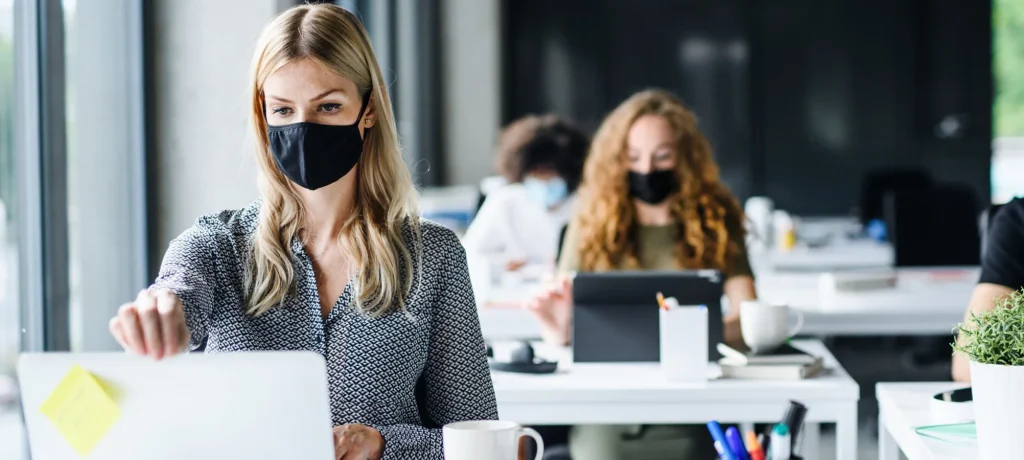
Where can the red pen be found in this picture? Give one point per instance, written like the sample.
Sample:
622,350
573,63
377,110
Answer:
754,447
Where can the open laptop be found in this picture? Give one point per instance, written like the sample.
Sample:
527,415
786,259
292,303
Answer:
615,314
261,405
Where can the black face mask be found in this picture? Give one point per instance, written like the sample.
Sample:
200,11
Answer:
314,155
653,187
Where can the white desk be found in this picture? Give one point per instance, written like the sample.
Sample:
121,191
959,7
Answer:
901,408
844,255
636,393
924,302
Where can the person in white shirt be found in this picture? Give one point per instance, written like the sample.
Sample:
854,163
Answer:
521,222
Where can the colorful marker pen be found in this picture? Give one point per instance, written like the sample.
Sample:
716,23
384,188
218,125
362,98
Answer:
732,436
724,452
754,447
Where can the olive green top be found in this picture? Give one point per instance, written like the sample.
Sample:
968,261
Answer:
655,251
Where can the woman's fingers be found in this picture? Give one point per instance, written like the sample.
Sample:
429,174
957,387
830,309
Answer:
115,330
544,300
357,442
565,285
149,321
153,325
128,317
172,322
340,444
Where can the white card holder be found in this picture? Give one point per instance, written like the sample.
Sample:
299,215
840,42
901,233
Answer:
684,343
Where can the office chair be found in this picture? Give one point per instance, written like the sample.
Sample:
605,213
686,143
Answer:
936,226
928,228
877,184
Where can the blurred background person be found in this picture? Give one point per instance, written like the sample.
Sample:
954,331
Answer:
521,222
653,201
651,175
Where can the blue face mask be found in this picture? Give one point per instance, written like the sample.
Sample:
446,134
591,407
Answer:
546,192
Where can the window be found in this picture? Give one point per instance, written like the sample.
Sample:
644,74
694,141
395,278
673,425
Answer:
105,169
1008,106
10,331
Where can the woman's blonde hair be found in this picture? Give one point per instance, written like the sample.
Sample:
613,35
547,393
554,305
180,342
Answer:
385,201
707,214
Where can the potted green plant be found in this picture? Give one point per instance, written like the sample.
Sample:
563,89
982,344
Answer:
994,342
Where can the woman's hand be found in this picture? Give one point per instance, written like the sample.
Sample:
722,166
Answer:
357,442
552,307
153,325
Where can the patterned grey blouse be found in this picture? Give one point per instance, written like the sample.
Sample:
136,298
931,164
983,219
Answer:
404,374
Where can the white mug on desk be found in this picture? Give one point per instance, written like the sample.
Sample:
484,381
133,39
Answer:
486,440
766,325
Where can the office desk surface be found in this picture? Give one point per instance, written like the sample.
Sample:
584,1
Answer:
901,408
845,255
637,393
924,302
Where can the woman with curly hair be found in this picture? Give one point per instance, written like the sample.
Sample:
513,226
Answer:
541,158
653,201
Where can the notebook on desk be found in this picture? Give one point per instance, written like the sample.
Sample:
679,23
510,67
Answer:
783,363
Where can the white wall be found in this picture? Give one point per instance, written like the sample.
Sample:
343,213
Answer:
471,50
204,160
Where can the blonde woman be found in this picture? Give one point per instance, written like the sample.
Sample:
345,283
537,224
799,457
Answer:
333,257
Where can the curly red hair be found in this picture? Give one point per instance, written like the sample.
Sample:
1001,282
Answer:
708,215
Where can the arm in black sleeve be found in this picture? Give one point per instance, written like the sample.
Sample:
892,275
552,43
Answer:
1003,261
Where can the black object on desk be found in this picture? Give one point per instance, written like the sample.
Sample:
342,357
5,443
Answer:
615,314
794,420
522,360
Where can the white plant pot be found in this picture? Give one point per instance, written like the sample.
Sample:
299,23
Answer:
999,410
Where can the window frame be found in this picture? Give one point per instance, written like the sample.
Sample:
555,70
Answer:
40,143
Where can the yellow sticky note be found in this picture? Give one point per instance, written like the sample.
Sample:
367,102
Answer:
81,409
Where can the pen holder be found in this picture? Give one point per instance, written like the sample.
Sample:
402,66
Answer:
684,343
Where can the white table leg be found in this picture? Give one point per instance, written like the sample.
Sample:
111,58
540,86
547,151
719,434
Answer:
810,445
846,434
887,447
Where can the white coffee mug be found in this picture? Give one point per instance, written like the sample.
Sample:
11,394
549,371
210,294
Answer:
766,325
486,440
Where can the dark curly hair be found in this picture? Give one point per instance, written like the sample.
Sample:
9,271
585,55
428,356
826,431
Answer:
546,141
